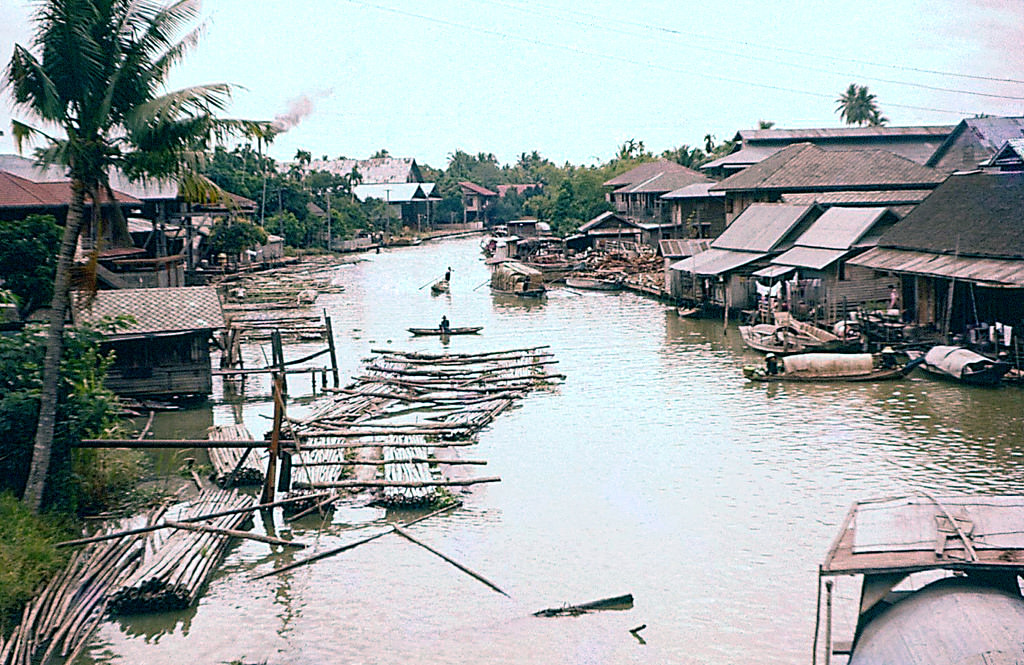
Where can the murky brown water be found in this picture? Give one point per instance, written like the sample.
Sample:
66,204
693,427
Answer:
654,470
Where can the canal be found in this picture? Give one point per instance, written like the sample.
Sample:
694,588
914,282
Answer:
655,469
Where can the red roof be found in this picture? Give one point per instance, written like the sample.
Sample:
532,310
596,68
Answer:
18,192
477,189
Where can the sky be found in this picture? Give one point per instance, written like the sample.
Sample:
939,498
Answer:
575,80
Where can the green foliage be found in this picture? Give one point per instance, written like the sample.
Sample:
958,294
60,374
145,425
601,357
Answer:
28,262
235,236
105,477
288,226
857,106
28,557
85,408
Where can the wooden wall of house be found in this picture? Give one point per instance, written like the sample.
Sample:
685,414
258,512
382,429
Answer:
161,366
700,218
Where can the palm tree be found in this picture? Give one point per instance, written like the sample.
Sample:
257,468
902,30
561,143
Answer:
857,106
97,85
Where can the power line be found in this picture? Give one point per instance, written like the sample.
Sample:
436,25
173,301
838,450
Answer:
783,49
607,56
532,8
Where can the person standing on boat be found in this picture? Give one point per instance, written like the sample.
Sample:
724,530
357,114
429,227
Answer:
448,274
444,327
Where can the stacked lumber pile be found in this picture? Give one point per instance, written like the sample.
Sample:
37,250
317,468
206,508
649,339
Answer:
404,406
175,565
236,467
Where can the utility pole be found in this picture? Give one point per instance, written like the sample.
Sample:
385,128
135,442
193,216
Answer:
328,220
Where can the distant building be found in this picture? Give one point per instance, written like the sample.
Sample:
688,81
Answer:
377,170
804,168
637,193
1009,157
753,146
412,203
477,202
521,189
164,351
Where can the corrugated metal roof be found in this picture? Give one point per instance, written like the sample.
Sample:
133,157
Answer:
1011,152
673,248
664,182
745,156
608,216
804,166
840,228
161,310
986,272
984,135
644,171
716,261
773,271
698,190
791,135
145,190
815,258
19,192
761,227
878,198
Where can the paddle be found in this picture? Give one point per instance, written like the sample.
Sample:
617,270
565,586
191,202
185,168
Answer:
486,281
435,279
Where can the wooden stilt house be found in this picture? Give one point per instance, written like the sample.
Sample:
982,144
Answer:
162,341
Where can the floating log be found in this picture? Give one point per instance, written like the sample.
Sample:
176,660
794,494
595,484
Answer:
354,484
614,603
471,573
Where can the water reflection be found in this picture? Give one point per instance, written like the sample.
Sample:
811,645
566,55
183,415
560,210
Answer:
656,469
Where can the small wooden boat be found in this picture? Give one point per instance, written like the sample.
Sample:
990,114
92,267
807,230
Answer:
516,279
593,283
964,365
788,336
830,367
451,331
440,286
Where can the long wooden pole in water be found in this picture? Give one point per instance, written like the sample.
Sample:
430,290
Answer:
471,573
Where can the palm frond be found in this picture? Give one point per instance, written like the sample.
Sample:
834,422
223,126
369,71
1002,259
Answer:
31,86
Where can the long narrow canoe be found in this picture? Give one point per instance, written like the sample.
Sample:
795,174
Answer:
451,331
593,283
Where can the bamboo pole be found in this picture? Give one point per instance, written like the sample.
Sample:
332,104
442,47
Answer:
383,462
338,550
235,534
346,484
475,575
198,518
179,443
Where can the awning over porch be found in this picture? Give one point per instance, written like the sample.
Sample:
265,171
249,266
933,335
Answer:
997,273
716,261
771,272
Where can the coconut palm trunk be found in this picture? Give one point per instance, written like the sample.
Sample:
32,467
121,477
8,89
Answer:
39,470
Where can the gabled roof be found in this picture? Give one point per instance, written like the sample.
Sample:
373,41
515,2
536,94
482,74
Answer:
398,192
664,182
1010,154
762,227
806,167
473,188
606,219
970,214
645,171
981,138
145,190
373,171
155,311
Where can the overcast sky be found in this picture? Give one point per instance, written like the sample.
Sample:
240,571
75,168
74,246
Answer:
575,80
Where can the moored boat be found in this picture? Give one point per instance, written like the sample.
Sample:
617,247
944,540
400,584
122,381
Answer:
471,330
788,336
593,283
516,279
440,286
828,367
964,365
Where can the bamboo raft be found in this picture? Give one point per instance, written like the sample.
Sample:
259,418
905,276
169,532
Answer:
235,467
400,410
175,566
